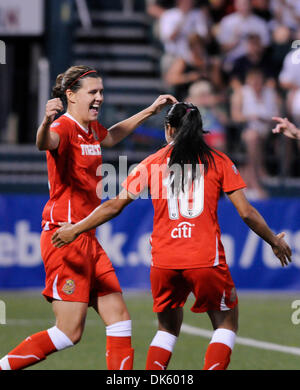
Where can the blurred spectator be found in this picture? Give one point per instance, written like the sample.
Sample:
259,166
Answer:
234,29
214,116
293,106
215,11
156,8
286,12
289,76
281,45
218,9
176,25
252,107
261,8
255,57
182,73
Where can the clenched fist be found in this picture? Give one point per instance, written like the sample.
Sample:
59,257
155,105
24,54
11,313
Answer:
53,107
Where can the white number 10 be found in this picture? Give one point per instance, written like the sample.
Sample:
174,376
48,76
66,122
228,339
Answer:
182,201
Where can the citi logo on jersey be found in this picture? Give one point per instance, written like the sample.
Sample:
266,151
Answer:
183,230
90,150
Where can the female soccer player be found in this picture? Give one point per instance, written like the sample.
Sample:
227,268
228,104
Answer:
81,274
187,252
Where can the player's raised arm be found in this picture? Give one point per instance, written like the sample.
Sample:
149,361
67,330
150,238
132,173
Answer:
285,127
256,222
108,210
122,129
46,139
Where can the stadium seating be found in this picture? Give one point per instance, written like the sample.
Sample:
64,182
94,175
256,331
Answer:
120,44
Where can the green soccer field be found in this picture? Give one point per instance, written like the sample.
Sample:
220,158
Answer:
265,326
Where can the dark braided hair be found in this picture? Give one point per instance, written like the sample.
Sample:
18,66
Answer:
188,146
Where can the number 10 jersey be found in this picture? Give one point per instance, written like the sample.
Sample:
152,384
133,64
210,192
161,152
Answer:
186,233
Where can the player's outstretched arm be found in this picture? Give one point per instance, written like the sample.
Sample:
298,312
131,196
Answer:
121,130
256,222
46,139
285,127
108,210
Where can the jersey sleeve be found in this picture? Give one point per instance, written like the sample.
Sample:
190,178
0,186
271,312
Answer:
231,178
138,180
60,127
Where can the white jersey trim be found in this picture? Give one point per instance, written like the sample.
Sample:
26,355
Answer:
74,120
216,262
69,212
54,289
223,306
51,213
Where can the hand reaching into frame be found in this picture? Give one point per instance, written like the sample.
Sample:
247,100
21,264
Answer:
285,127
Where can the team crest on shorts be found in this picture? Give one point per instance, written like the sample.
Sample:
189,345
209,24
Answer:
69,287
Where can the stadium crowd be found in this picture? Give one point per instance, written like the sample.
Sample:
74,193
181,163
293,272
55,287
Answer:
236,60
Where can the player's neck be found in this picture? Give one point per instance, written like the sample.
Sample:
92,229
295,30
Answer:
78,119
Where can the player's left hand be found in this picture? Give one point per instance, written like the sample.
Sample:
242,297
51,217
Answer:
161,102
63,235
281,250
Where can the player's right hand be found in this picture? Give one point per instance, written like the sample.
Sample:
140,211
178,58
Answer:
161,102
53,107
281,250
64,235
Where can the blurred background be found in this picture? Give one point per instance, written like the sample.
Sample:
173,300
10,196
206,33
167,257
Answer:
237,60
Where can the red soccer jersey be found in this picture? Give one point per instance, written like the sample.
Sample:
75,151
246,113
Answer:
186,232
73,171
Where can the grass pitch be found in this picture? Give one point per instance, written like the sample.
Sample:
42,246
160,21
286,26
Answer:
263,317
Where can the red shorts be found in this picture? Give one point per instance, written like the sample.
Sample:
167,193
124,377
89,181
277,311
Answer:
212,287
77,272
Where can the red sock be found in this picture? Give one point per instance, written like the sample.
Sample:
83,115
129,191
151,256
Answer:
31,351
119,354
217,357
158,358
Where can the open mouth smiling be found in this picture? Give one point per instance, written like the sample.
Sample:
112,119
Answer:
94,108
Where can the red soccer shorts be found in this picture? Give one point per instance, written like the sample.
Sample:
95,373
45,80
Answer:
212,287
77,272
